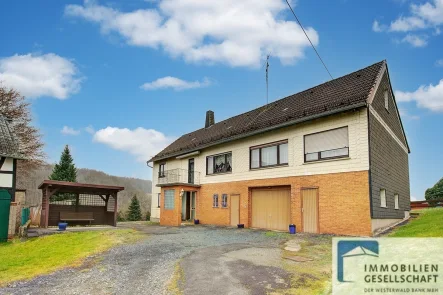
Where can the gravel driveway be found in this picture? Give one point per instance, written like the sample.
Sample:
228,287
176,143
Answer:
197,259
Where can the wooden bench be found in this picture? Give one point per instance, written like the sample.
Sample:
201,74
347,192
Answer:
77,216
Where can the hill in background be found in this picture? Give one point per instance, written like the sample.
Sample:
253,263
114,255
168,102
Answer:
133,186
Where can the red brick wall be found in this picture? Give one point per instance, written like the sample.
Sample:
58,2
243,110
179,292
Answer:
343,202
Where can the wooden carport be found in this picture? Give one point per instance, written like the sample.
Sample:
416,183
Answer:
100,200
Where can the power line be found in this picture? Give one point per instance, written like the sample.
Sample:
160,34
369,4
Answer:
301,26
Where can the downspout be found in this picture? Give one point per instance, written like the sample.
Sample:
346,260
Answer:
369,157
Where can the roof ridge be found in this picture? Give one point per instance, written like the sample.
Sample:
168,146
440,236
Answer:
280,99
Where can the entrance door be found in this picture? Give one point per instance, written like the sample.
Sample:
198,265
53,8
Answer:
191,171
310,210
5,204
193,205
235,210
271,208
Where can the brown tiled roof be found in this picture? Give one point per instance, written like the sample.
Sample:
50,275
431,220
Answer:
8,144
340,94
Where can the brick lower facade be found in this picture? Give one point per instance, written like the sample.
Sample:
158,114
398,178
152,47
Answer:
344,206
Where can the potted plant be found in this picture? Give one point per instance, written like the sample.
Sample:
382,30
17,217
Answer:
62,225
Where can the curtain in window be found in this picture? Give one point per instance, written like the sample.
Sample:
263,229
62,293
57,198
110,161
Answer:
283,153
269,156
255,158
210,165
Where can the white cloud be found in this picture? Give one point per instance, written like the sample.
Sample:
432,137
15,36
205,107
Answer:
175,83
40,75
432,12
89,129
426,96
439,63
69,131
405,114
237,33
415,40
377,27
406,24
140,142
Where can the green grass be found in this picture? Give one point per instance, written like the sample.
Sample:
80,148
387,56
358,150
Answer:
310,277
427,224
24,260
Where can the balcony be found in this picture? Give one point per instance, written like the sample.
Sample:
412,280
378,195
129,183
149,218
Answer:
178,177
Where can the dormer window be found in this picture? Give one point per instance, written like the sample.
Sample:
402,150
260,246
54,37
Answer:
386,100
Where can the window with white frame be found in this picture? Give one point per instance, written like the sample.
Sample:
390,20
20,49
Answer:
221,163
383,198
396,206
328,144
386,95
161,170
215,201
169,199
224,202
268,155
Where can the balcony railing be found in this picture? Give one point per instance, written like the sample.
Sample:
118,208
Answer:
181,176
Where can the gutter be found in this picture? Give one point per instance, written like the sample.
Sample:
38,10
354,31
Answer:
286,124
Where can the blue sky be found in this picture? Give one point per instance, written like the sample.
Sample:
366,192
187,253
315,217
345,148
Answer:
117,80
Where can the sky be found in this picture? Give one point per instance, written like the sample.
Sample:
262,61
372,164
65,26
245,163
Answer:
119,80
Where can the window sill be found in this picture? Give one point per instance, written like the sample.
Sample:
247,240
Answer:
386,207
222,173
269,167
326,160
224,207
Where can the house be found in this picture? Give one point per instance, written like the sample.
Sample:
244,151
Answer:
330,159
9,154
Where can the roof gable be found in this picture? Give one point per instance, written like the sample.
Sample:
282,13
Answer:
340,94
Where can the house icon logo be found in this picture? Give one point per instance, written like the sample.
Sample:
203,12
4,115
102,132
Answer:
353,248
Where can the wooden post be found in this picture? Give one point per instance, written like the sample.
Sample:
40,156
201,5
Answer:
115,208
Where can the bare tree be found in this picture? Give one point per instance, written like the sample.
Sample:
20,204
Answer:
14,106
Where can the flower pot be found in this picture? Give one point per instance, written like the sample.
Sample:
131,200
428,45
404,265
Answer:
241,225
62,225
196,221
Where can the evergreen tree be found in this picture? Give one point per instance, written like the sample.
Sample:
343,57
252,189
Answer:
134,211
64,171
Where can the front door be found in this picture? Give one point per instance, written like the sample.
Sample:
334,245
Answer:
193,205
191,171
310,210
235,210
5,204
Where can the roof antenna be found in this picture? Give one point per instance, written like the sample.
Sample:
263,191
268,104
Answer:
267,81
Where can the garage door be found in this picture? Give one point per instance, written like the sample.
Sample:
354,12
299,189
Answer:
271,208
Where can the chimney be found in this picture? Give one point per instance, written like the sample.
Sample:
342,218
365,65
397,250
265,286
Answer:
209,119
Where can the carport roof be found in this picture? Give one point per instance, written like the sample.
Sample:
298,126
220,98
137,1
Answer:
81,188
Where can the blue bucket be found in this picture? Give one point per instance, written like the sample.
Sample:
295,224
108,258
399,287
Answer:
292,229
62,225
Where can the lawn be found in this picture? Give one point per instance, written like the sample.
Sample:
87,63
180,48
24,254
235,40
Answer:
24,260
428,224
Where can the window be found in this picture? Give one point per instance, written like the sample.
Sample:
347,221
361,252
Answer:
327,145
383,198
273,154
396,202
386,100
224,202
169,199
158,199
219,164
215,201
161,170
